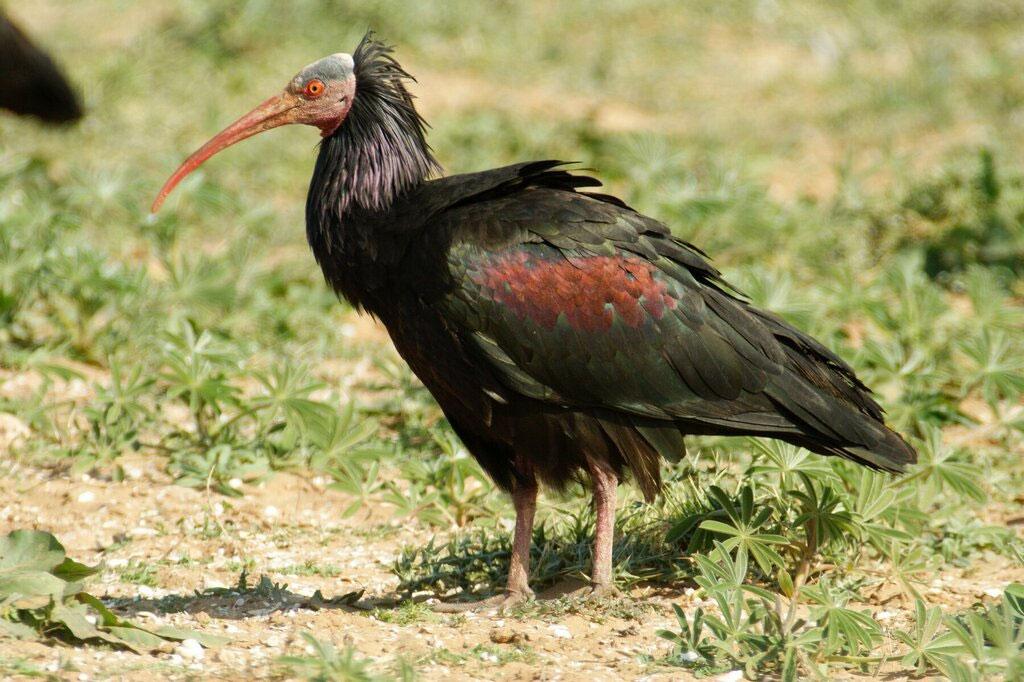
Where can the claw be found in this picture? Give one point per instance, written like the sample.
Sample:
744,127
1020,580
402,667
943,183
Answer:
600,591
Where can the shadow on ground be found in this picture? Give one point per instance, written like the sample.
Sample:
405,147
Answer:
244,601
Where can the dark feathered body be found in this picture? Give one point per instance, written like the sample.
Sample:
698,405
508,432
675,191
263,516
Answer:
556,326
30,83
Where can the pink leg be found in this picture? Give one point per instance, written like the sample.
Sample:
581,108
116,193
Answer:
517,590
605,483
525,501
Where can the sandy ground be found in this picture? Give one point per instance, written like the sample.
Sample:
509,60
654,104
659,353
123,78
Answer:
198,542
285,523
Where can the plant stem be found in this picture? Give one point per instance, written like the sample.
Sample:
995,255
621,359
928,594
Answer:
802,572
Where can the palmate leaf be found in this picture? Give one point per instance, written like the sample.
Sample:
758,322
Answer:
874,496
845,630
994,638
823,510
1014,597
929,644
992,305
358,481
743,532
874,510
784,460
942,466
719,570
347,431
286,390
691,639
996,365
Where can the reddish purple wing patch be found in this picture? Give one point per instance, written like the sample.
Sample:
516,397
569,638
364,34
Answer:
590,291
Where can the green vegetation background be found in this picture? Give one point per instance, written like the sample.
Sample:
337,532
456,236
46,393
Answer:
854,166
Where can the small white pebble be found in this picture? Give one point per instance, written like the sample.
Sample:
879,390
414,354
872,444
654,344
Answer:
884,615
82,677
218,508
91,618
271,512
994,591
731,676
86,496
190,649
560,631
146,592
134,472
689,656
235,483
116,563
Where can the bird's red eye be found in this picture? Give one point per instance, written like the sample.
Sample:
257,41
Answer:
314,88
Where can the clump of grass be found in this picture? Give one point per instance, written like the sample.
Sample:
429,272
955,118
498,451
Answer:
312,567
406,613
324,661
139,573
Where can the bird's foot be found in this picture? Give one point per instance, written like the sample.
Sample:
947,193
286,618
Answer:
596,591
503,603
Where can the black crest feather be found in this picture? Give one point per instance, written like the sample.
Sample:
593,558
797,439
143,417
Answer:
380,151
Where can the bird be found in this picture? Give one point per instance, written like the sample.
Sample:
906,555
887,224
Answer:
31,84
564,335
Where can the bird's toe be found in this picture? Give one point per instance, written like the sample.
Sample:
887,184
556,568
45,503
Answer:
501,603
597,591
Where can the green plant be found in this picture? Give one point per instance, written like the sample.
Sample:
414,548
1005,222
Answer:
929,644
42,596
115,416
327,663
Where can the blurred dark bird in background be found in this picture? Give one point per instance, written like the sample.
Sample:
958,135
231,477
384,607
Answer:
563,334
30,82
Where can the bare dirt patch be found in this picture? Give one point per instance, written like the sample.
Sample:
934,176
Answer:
162,544
173,555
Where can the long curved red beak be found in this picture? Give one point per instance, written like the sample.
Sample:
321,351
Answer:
276,111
